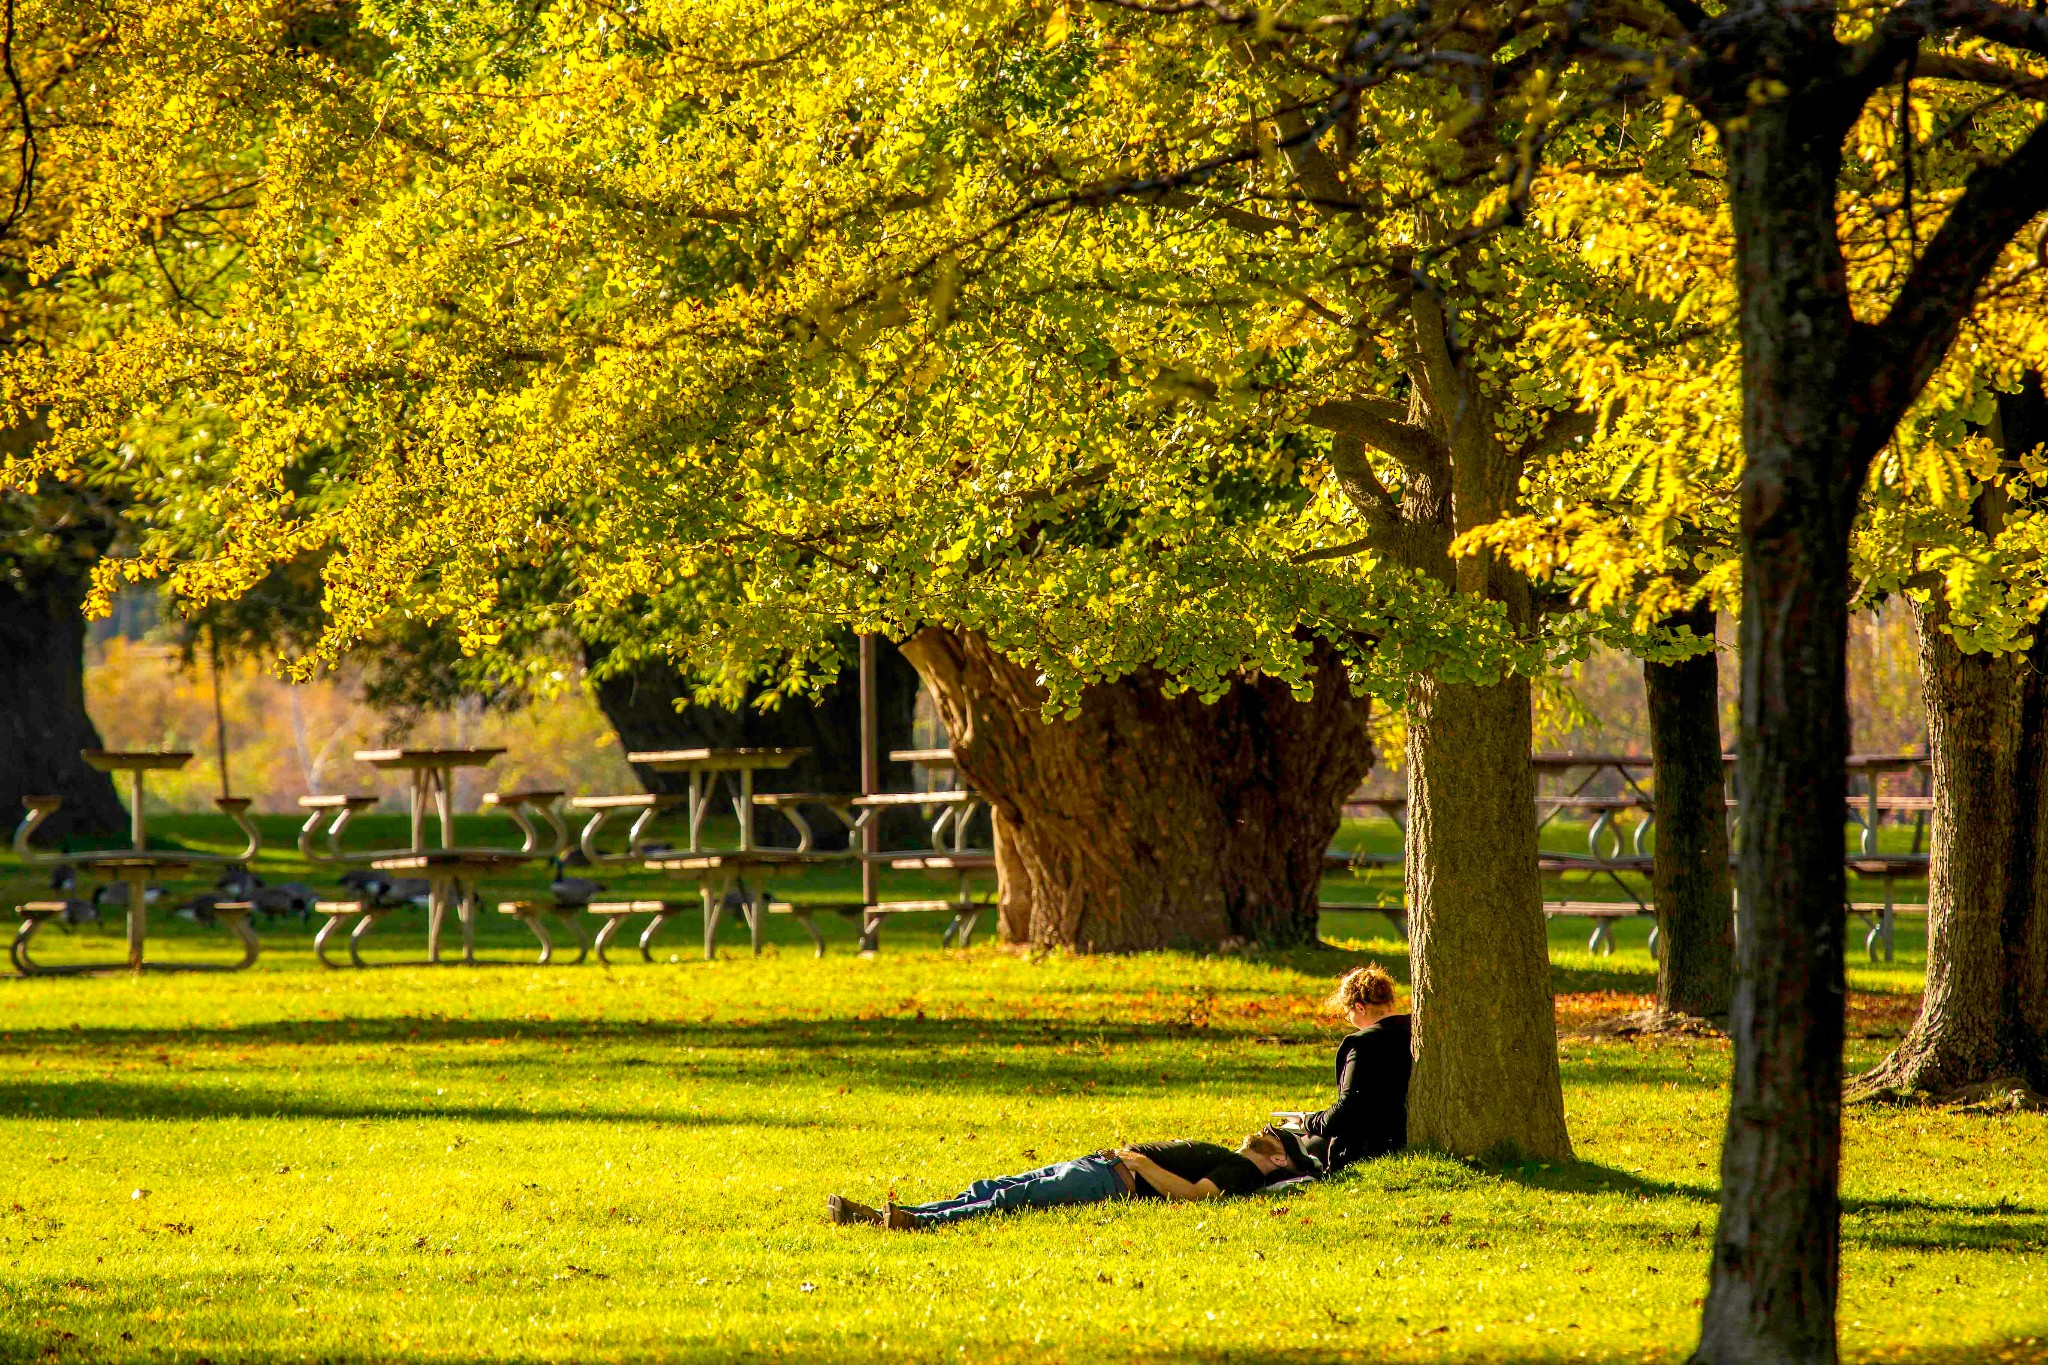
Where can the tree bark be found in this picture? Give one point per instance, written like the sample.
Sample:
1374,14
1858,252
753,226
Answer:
1967,1030
1689,873
1984,1016
1148,820
43,720
2026,924
1485,1079
1771,1296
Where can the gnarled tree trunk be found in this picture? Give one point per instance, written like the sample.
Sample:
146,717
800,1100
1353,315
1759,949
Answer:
43,720
1689,873
1484,1079
1149,820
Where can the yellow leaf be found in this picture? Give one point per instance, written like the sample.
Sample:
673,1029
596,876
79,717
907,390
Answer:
1057,26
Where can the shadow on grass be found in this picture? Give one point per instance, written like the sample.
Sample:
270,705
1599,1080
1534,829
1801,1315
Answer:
187,1101
1936,1225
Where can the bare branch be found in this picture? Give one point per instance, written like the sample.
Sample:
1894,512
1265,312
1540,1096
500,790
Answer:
29,154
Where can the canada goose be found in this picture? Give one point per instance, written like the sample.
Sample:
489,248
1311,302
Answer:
114,895
371,885
573,892
77,911
63,877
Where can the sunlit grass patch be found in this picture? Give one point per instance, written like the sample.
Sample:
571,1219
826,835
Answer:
575,1164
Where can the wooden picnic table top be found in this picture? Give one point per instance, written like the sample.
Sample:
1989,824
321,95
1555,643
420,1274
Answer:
428,758
718,860
628,801
955,797
134,760
142,860
451,859
714,760
338,802
923,758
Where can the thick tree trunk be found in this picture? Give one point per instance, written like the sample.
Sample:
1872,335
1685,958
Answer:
642,705
1776,1263
1486,1076
2026,921
43,720
1984,1017
1967,1030
1689,874
1148,820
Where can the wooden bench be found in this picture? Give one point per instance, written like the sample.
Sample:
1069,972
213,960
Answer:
340,810
1881,918
1333,858
1396,914
602,808
546,802
1603,914
616,913
529,914
365,916
234,915
34,915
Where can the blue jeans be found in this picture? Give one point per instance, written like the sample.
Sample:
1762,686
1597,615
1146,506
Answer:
1084,1180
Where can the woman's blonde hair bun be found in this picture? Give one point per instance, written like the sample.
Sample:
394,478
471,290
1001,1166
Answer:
1368,985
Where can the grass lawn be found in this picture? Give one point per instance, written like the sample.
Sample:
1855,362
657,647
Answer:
522,1163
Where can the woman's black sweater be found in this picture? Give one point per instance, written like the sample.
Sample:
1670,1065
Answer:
1370,1117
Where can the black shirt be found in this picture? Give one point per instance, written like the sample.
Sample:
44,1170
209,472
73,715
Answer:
1370,1117
1195,1162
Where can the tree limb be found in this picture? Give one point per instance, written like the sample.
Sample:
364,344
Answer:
1976,71
1381,423
1900,353
1367,495
1561,430
1236,217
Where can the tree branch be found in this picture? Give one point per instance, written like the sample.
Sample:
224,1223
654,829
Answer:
1238,218
1367,495
1976,71
1561,430
1900,353
1381,423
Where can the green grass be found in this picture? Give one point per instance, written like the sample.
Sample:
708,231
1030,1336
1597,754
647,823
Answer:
521,1163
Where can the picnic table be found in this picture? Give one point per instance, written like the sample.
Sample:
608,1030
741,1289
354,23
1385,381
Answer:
714,871
452,872
135,866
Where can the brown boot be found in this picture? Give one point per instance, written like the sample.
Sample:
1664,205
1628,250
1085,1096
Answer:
845,1212
901,1221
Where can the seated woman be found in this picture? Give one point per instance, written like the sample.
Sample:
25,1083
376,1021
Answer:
1370,1117
1187,1171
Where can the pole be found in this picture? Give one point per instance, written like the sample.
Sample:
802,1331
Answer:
870,773
220,721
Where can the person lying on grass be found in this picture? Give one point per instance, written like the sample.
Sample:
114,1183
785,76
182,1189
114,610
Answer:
1179,1171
